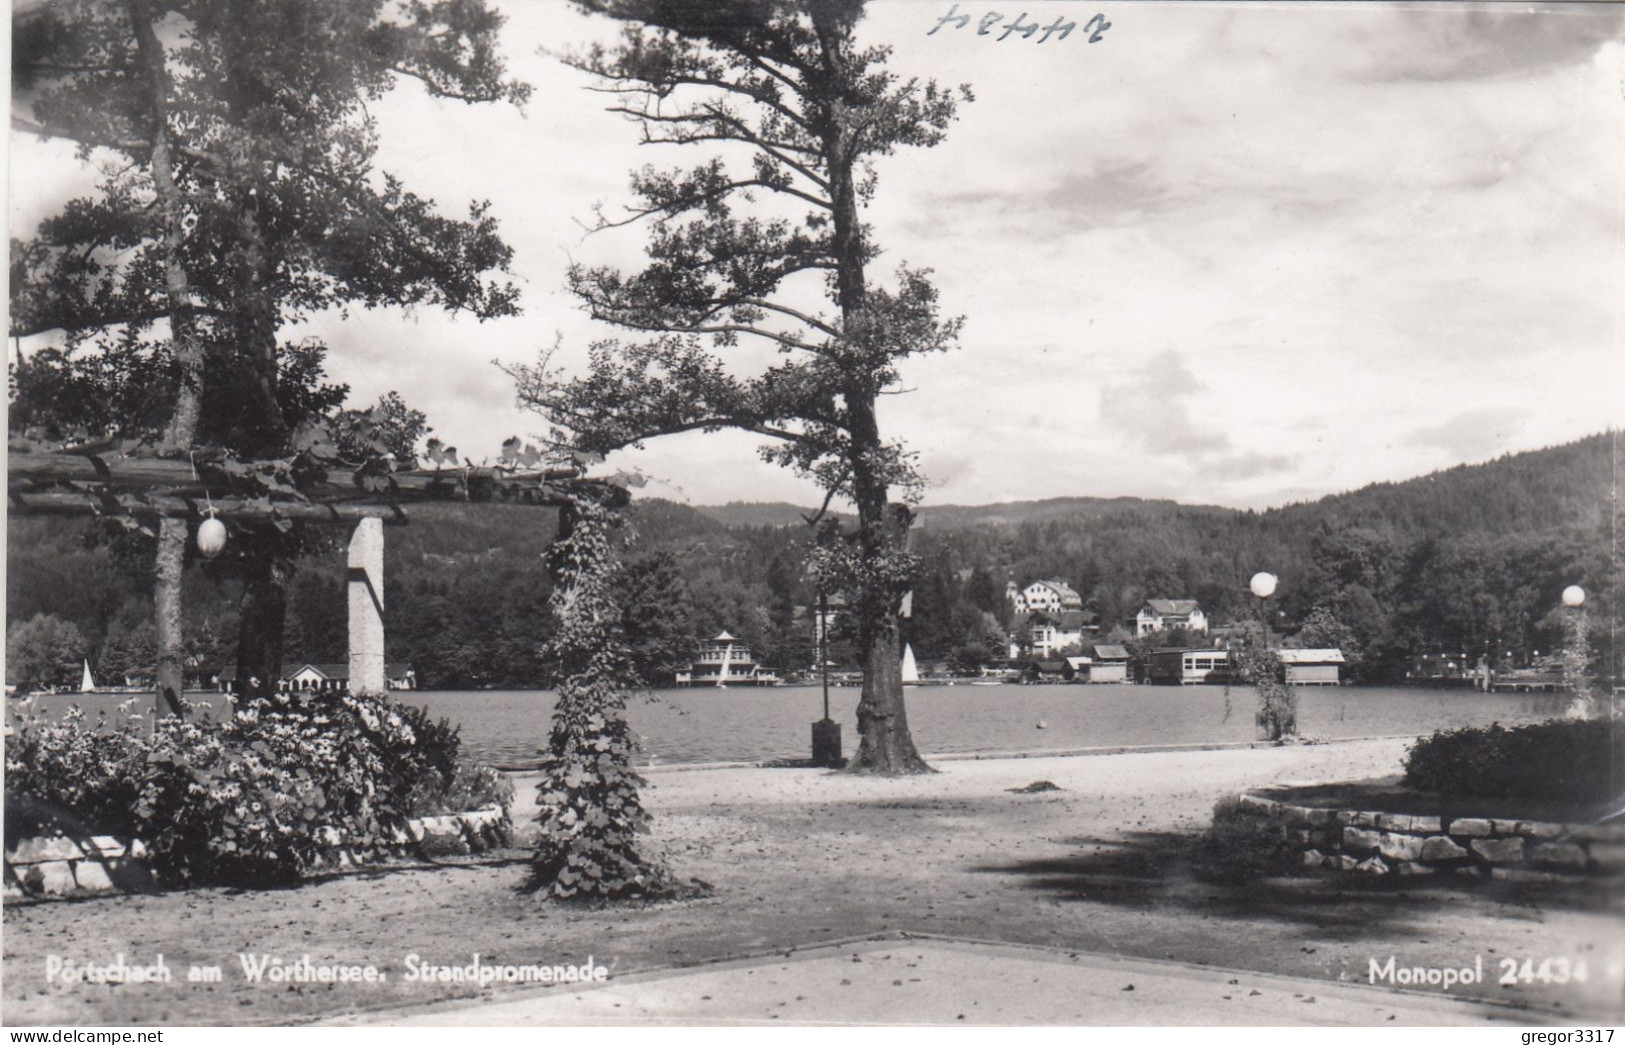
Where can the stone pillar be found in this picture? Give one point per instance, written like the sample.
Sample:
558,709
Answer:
366,584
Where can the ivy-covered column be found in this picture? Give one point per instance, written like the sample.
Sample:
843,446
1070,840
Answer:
593,823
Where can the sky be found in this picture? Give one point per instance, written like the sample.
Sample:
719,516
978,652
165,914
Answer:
1226,254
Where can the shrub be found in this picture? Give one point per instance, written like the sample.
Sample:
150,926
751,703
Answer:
1243,845
437,744
70,777
1557,761
471,787
257,798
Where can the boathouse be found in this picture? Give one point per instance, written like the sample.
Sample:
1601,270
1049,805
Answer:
1109,663
726,661
1312,667
322,678
1189,667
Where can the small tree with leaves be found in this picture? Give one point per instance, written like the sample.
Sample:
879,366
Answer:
1258,664
742,247
593,823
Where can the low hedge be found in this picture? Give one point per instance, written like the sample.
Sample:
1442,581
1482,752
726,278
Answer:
1243,844
248,799
1578,761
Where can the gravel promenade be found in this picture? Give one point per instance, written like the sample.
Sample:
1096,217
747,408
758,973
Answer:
800,857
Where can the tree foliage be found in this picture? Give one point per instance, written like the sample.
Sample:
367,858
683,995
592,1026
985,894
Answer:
238,193
756,310
43,651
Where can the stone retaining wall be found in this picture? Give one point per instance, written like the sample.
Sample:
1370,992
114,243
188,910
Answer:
49,868
1394,843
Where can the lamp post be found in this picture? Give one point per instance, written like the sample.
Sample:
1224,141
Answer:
1575,653
1277,714
823,647
1263,586
826,733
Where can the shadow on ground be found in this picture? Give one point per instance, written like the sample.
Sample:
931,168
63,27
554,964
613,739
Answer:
1165,870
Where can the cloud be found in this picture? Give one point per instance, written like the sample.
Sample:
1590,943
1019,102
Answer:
1481,42
1475,433
1230,254
1250,465
1161,410
1151,409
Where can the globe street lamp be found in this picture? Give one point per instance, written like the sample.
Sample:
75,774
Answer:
1575,653
1263,586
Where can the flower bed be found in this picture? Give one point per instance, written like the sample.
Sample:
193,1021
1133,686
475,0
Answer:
283,788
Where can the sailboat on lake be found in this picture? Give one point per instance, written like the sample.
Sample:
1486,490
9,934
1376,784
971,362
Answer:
911,669
88,683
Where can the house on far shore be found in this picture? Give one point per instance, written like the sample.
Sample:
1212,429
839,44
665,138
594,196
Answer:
1108,663
1047,596
1050,632
1165,614
322,678
1312,667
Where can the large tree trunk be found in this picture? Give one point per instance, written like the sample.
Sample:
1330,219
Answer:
255,315
259,635
264,599
884,743
170,562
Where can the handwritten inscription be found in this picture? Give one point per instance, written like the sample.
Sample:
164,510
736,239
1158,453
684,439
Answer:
989,23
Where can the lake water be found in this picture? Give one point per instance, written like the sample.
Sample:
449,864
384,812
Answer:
711,725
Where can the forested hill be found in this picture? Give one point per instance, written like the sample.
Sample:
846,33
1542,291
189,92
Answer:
1569,485
1560,486
1465,559
782,513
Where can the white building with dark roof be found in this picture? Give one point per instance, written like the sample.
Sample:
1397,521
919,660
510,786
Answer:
322,678
1164,614
1046,596
1048,633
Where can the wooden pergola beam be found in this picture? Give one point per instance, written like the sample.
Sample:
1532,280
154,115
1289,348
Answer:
68,502
177,477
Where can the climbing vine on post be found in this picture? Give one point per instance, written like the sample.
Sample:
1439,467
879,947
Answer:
591,815
1256,664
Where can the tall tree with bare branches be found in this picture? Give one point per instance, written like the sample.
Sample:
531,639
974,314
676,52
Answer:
757,309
